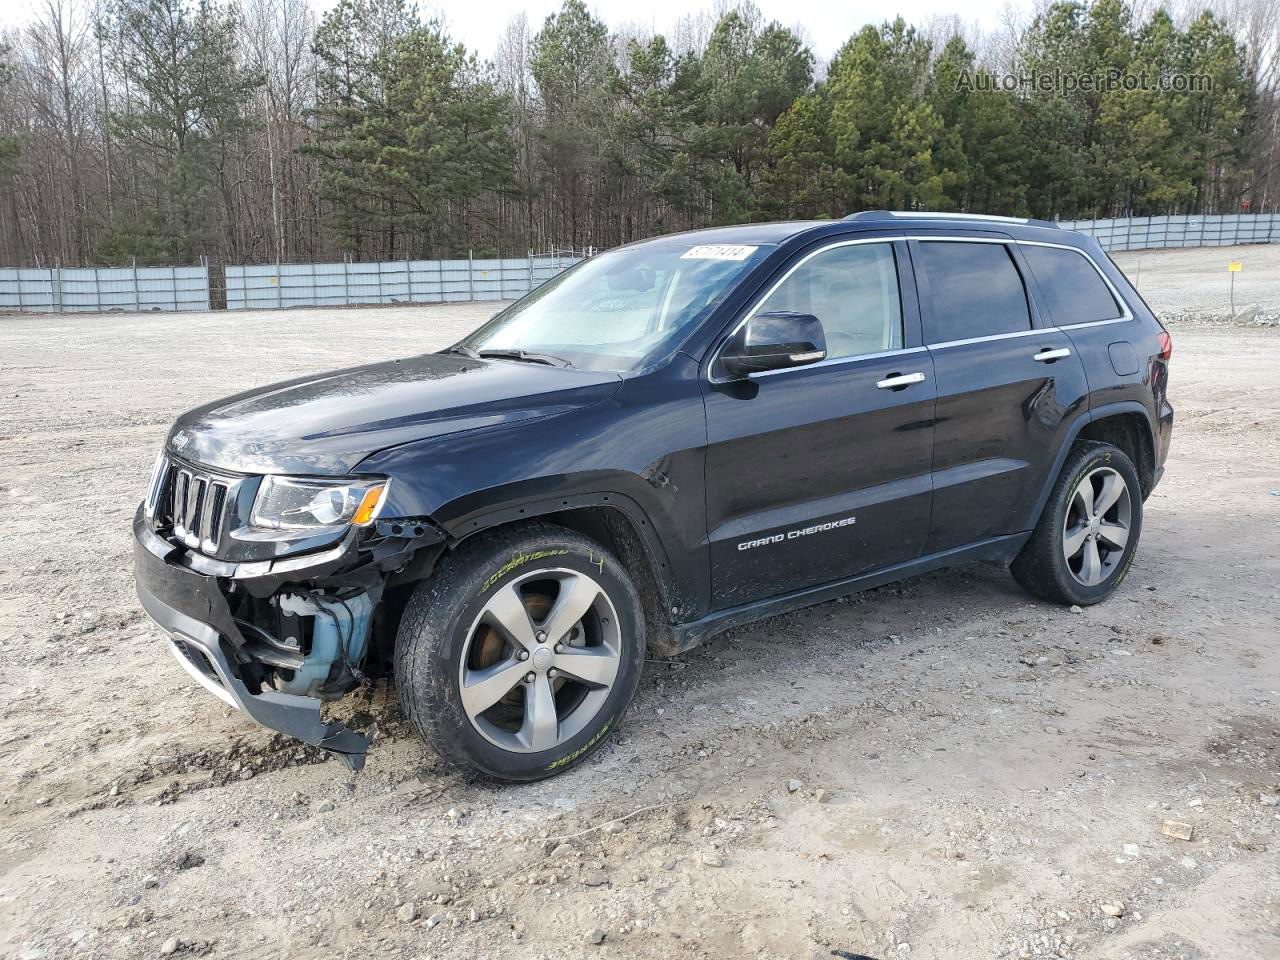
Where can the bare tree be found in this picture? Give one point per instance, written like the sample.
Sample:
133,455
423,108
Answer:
164,130
278,49
55,80
511,63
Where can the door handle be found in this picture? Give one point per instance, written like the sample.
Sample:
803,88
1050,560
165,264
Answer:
1048,356
896,381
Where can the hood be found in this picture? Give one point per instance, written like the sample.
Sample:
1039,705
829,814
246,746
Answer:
327,424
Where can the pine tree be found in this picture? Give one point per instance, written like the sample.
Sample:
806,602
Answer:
747,79
883,129
181,119
982,142
411,130
573,67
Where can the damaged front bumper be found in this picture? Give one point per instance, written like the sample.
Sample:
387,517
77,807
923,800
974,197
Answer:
192,607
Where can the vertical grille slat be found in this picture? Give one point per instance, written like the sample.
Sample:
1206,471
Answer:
211,516
165,495
194,503
181,493
195,506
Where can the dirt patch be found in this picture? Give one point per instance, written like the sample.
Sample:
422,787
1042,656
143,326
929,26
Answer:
938,769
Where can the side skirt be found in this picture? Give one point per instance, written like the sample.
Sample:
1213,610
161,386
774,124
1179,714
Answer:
689,635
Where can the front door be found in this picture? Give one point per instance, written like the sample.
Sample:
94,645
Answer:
818,473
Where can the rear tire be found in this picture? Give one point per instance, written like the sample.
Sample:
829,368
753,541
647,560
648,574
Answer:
519,655
1085,542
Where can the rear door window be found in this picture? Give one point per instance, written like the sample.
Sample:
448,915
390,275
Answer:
976,291
1072,288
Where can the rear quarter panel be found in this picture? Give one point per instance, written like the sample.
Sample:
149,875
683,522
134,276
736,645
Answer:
1103,347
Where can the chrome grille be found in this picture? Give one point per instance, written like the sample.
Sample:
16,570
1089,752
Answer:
193,502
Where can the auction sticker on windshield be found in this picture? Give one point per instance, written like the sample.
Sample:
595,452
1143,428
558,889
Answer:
718,251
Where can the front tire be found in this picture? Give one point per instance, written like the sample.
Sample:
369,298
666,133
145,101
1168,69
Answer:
1085,542
519,655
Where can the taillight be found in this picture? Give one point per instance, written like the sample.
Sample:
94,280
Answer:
1166,345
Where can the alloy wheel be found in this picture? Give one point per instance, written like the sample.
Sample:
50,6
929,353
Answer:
1096,529
540,660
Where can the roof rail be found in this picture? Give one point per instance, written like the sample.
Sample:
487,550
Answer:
933,215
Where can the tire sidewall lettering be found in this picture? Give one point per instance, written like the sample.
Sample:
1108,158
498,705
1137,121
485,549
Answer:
495,577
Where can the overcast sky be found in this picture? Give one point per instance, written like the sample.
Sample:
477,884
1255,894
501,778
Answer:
825,24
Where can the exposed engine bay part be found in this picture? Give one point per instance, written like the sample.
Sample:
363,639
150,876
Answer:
278,646
339,638
200,651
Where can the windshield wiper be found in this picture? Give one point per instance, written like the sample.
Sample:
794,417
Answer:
528,357
465,351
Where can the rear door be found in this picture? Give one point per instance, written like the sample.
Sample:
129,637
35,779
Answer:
1008,386
1080,300
818,473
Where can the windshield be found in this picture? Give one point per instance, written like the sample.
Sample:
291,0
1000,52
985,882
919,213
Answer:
620,310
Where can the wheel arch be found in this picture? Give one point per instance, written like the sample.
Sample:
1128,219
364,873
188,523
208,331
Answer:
1131,432
616,522
1129,422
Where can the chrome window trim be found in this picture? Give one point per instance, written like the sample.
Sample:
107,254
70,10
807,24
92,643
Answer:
1094,323
1012,335
759,301
1125,317
945,239
833,362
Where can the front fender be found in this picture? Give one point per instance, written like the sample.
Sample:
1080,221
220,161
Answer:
641,452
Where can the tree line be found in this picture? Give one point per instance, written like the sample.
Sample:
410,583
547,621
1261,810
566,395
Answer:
166,131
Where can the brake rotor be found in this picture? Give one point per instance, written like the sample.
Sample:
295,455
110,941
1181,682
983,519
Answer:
489,646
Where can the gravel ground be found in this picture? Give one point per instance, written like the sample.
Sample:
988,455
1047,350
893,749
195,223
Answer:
1195,285
937,769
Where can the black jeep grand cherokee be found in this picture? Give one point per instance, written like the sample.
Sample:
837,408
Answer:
672,438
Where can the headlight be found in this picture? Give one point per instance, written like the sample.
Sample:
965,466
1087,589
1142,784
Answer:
284,503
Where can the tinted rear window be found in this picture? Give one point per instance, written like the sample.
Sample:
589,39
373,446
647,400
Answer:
1071,287
976,289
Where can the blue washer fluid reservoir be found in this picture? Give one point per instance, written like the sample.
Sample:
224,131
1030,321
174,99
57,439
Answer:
335,624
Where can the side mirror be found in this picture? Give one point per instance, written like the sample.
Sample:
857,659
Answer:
774,341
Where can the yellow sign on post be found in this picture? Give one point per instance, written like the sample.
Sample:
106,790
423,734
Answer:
1234,266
